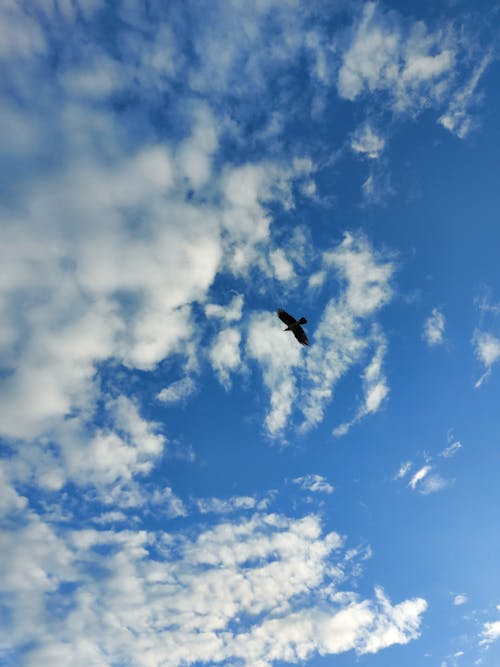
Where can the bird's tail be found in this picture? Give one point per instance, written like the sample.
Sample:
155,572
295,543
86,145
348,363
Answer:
302,320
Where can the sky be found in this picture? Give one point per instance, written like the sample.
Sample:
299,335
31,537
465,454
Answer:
182,483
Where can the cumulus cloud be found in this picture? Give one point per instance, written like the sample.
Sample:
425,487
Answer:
433,332
490,633
215,595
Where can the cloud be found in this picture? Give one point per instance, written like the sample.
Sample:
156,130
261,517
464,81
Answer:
314,483
403,470
407,62
217,595
419,476
278,355
375,387
433,332
366,141
459,600
490,633
457,118
230,313
452,449
232,504
487,351
377,187
177,391
224,353
426,482
346,330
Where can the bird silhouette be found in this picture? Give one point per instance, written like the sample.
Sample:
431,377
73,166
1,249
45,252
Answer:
294,326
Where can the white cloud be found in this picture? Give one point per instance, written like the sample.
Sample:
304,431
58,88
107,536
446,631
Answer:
366,141
490,633
487,350
419,476
195,153
225,353
168,502
452,449
10,500
177,391
410,64
375,388
21,37
278,354
229,505
261,590
346,330
314,483
230,313
426,482
282,268
115,516
432,483
457,118
404,470
377,187
433,332
459,600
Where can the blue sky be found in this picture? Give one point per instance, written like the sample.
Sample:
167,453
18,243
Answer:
181,482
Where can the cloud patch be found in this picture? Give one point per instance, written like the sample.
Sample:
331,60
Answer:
433,332
215,595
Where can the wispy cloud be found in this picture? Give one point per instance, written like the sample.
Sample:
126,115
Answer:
419,476
177,391
347,328
314,483
457,118
404,470
487,350
425,481
452,449
365,141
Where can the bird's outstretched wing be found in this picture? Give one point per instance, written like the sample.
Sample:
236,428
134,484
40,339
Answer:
300,335
286,318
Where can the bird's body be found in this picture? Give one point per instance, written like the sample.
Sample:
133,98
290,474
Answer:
294,326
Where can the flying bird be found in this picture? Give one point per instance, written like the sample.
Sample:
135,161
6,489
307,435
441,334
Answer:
293,325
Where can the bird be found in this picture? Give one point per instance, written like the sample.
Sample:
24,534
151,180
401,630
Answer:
293,325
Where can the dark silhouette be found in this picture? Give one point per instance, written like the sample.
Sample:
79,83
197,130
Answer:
293,325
